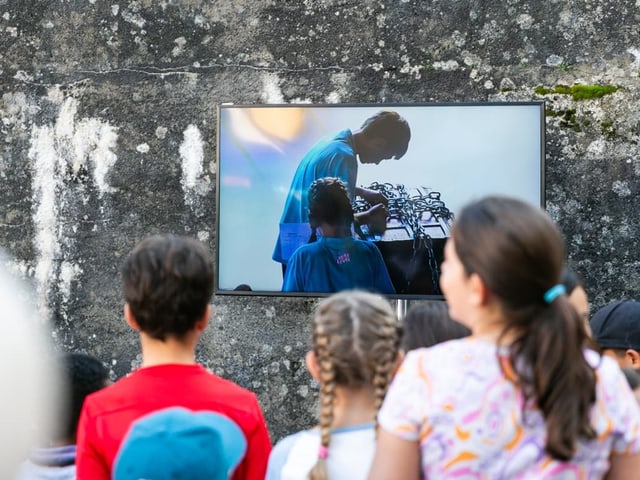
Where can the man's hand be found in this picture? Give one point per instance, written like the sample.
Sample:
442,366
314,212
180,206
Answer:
375,218
374,197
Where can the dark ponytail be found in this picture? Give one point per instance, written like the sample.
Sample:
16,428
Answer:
519,254
552,371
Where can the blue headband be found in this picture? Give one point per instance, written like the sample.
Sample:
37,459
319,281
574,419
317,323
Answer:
554,292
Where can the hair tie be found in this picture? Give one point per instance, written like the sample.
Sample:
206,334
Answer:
323,452
554,292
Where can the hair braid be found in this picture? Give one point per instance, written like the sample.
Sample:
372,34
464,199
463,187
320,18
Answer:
327,394
356,338
383,359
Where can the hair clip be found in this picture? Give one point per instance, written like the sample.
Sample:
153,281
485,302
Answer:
554,292
323,452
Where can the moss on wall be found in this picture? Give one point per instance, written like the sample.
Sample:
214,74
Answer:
578,91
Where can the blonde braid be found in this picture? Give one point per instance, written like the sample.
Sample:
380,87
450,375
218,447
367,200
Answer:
356,338
383,359
327,394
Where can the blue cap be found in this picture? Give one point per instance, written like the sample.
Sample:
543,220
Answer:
617,325
176,443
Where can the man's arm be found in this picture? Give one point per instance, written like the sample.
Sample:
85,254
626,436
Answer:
90,465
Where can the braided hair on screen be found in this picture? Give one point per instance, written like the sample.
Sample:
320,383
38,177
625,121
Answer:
356,338
329,203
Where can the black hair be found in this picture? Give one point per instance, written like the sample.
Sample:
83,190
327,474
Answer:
391,127
428,323
329,203
633,377
168,283
571,280
82,375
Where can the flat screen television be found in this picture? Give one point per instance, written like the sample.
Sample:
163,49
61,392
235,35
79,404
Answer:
457,152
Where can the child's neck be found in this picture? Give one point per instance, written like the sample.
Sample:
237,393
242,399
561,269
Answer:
353,407
170,351
335,231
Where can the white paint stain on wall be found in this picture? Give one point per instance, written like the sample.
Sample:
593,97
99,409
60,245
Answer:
192,156
271,91
67,145
46,182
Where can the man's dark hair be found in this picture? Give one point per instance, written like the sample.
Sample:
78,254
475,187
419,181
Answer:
168,283
82,375
392,127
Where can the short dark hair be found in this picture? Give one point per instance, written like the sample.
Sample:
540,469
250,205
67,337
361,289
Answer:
428,323
82,375
633,377
329,203
168,283
571,279
392,127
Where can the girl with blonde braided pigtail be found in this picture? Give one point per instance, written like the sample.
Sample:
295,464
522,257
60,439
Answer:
356,350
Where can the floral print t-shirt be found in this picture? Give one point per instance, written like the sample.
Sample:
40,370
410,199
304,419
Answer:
454,400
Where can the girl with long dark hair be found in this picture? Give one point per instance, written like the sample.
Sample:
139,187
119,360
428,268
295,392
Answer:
524,396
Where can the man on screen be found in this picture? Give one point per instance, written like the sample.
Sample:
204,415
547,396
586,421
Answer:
383,136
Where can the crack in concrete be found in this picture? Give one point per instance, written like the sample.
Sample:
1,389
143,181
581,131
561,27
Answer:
191,70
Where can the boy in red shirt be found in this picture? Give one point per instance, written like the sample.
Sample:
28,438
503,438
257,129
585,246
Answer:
168,283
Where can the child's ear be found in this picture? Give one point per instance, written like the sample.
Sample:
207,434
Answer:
204,320
130,319
480,293
632,357
312,365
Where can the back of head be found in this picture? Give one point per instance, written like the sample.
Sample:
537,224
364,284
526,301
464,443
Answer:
518,252
390,126
176,443
329,203
514,247
359,333
617,326
632,376
571,280
356,338
428,323
168,283
577,294
82,375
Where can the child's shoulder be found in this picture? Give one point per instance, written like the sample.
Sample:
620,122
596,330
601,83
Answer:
298,452
456,354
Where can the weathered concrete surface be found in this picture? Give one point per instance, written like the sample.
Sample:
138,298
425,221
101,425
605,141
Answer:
108,135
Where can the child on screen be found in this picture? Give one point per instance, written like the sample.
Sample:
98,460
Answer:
335,261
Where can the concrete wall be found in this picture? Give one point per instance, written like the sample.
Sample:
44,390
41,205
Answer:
108,135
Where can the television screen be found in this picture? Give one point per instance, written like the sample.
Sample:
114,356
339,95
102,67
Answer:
313,199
